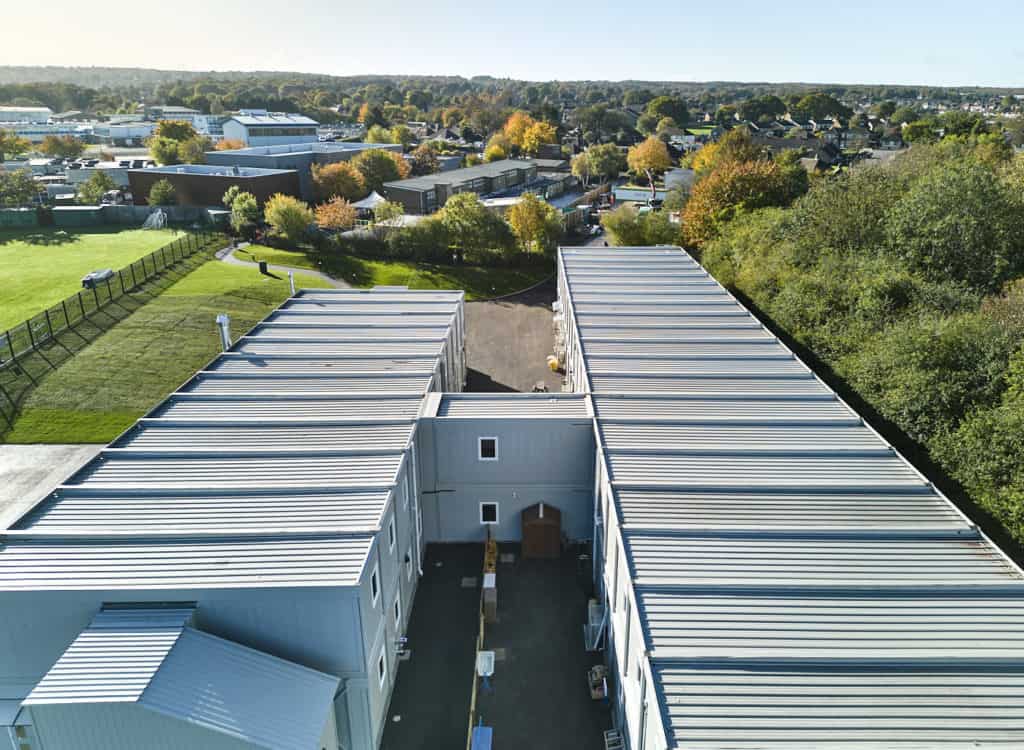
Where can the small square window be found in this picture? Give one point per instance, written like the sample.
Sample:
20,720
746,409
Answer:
488,449
391,534
382,670
488,513
374,586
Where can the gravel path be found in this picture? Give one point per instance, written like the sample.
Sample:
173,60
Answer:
228,256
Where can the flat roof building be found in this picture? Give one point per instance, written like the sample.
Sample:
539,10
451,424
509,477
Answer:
424,195
262,128
774,574
301,157
16,114
205,184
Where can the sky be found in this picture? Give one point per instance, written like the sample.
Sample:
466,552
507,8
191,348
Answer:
859,41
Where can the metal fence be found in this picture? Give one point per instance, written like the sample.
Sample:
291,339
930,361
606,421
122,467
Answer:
42,329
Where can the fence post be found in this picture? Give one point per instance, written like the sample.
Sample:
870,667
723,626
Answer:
10,345
96,296
49,325
81,304
132,267
110,293
145,273
163,257
67,318
120,277
31,337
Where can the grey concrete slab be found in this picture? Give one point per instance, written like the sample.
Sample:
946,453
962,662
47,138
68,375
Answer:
508,342
30,472
539,697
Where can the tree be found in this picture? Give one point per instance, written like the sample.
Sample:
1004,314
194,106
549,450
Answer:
957,222
378,166
626,226
498,147
377,134
725,116
473,228
193,150
370,115
245,213
62,147
535,223
229,196
669,106
176,130
819,105
920,131
386,215
17,188
649,158
581,168
606,160
164,150
162,193
288,216
92,190
337,214
12,145
731,187
762,108
516,126
229,144
402,134
537,135
647,123
339,180
958,122
424,160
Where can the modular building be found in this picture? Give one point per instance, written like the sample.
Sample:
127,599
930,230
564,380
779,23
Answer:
249,547
257,127
238,568
774,574
205,184
300,157
424,195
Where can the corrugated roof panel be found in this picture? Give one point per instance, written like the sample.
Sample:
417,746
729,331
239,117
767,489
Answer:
112,660
691,346
801,511
72,510
741,470
660,560
258,347
485,406
141,563
242,693
734,706
713,338
297,305
765,409
216,384
213,473
641,307
354,320
784,624
219,438
696,297
722,385
707,365
311,365
739,438
376,296
332,334
254,408
724,320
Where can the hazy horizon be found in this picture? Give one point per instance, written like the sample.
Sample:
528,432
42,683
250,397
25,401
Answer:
913,43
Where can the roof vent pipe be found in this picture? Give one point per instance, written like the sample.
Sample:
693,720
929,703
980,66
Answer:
224,324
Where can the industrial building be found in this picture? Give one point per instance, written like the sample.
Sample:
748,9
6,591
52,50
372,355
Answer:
237,569
424,195
300,157
205,184
774,574
257,127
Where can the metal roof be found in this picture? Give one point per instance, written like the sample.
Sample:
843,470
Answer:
153,561
152,658
518,405
766,524
764,704
241,692
268,470
114,659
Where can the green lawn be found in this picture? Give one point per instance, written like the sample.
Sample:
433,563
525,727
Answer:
100,391
40,267
476,281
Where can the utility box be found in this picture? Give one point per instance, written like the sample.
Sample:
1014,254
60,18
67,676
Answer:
490,598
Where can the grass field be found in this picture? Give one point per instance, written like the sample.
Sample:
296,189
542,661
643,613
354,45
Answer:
100,391
40,267
476,281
